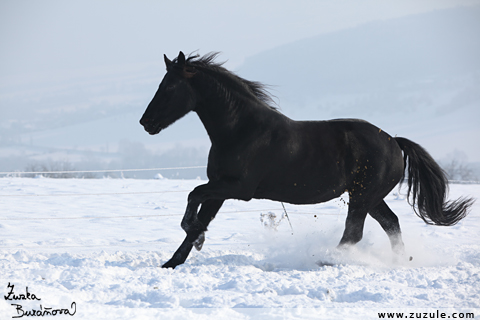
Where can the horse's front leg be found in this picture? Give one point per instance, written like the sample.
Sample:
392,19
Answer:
211,196
195,226
207,213
180,255
189,220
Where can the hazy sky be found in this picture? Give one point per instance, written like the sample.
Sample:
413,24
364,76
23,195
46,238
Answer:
49,37
54,54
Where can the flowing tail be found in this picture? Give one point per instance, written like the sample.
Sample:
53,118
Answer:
428,185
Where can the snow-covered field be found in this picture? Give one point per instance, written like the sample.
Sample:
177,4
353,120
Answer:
94,247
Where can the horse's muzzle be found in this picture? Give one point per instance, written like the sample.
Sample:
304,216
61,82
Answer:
150,126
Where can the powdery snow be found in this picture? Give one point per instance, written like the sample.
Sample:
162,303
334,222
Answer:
99,243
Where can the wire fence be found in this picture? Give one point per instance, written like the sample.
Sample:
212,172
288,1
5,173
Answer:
138,216
71,172
87,194
21,173
115,194
463,182
160,215
113,217
118,193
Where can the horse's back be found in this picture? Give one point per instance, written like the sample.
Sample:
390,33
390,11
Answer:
361,145
346,138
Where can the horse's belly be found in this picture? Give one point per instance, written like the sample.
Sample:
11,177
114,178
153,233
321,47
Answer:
298,193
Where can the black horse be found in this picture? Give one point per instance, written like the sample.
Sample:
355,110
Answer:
257,152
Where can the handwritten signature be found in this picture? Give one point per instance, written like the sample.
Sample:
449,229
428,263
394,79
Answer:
40,312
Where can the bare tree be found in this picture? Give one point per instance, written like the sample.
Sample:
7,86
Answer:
456,167
52,169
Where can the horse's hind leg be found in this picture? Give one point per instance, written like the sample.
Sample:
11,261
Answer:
389,222
195,235
353,225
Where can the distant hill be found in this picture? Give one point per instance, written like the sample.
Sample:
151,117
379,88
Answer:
417,76
374,56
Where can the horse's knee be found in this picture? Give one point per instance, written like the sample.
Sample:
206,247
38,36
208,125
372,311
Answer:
190,221
192,225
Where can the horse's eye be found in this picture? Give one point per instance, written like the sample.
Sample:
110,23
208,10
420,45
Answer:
170,88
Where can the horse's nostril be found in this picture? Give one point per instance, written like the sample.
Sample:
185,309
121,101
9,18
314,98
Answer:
143,121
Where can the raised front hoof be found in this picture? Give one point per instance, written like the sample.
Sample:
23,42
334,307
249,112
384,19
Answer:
199,242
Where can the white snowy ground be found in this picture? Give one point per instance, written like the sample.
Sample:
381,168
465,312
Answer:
99,243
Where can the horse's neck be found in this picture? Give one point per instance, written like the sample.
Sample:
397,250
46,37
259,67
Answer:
220,125
227,118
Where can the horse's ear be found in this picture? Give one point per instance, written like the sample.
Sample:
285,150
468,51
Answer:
188,71
181,59
168,62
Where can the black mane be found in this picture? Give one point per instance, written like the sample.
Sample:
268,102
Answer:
207,64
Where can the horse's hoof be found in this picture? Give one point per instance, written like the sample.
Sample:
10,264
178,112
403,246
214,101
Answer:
169,264
199,242
344,247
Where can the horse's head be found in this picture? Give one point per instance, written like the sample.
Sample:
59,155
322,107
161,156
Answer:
174,98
